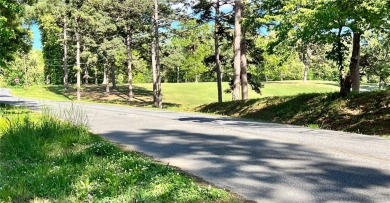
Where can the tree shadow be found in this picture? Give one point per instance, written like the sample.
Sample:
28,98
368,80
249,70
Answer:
9,100
119,95
260,169
59,90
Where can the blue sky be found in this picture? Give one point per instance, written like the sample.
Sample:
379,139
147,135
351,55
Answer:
37,39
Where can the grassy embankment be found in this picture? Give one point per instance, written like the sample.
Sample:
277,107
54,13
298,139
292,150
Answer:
293,102
367,113
43,159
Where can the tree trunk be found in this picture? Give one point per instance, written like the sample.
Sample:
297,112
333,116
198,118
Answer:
96,76
25,70
355,61
105,73
154,72
78,66
105,80
129,64
178,75
307,63
65,59
281,75
244,76
217,51
237,49
86,74
345,85
113,76
345,80
158,102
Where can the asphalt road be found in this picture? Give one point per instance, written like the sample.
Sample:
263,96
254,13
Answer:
263,162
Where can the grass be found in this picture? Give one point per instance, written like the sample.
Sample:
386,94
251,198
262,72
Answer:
367,112
44,159
181,96
41,92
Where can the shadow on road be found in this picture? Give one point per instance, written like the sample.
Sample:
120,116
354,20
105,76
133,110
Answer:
6,99
266,170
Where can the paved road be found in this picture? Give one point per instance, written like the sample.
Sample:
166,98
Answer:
262,161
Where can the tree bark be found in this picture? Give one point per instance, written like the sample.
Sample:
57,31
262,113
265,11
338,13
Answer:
105,72
244,66
86,74
65,59
355,61
96,76
113,76
237,49
217,50
157,91
307,63
105,80
345,80
129,64
178,75
78,74
154,72
25,70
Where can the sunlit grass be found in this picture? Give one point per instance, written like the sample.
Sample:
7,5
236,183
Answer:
50,160
40,92
175,95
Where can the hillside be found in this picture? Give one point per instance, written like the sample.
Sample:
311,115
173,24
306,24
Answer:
367,113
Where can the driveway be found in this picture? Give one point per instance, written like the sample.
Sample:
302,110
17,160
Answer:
264,162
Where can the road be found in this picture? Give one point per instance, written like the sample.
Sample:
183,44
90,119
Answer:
264,162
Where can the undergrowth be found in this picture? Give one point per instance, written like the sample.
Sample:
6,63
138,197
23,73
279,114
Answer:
44,159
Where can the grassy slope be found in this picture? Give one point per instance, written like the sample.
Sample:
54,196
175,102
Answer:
44,159
367,113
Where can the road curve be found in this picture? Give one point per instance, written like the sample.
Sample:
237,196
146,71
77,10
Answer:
264,162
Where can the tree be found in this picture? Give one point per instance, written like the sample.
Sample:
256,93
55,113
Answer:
157,93
237,49
130,20
209,11
194,42
376,58
323,22
13,36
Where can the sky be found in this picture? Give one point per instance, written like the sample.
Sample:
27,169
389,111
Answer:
37,38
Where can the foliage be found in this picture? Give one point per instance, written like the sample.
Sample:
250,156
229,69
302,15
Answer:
48,160
194,44
13,36
376,59
33,61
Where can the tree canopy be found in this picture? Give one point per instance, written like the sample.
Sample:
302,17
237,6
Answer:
240,42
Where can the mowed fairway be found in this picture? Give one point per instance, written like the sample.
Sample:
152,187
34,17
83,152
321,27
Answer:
194,94
181,95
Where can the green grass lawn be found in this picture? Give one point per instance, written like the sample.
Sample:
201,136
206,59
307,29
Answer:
41,92
184,95
195,94
46,160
